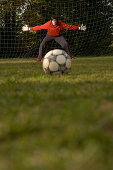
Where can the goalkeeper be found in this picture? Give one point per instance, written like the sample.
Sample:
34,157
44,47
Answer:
54,27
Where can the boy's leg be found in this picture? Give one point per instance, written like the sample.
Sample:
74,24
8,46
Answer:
43,44
61,40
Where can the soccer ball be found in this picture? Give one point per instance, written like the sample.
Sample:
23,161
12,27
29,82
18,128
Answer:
56,62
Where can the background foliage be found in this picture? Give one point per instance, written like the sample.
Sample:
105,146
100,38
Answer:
97,15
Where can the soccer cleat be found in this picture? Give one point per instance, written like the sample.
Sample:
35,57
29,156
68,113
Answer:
73,58
37,59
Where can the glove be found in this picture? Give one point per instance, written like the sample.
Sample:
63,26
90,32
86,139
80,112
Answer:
82,27
25,28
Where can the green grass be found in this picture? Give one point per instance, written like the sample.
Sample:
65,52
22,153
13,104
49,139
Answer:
56,122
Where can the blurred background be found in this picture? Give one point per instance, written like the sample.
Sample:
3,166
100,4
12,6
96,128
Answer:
96,15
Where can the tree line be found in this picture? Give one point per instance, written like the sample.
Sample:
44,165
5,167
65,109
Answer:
97,15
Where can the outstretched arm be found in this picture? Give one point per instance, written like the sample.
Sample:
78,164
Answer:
69,27
36,28
72,27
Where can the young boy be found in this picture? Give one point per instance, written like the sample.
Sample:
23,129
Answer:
54,27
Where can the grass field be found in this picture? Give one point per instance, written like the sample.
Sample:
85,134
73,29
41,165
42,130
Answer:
56,122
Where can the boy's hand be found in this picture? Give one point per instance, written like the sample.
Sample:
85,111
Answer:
25,28
82,27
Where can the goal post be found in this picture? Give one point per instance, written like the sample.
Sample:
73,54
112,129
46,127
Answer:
96,15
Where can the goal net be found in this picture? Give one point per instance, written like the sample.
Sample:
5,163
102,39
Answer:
97,15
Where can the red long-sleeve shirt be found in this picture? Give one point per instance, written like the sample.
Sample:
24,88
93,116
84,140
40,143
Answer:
54,30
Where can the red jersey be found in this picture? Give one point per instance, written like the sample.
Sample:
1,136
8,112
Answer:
54,30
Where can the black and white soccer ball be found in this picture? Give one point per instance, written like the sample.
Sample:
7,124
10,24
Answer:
56,62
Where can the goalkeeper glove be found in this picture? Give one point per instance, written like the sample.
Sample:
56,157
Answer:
25,28
82,27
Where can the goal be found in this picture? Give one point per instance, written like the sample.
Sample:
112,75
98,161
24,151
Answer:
97,15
